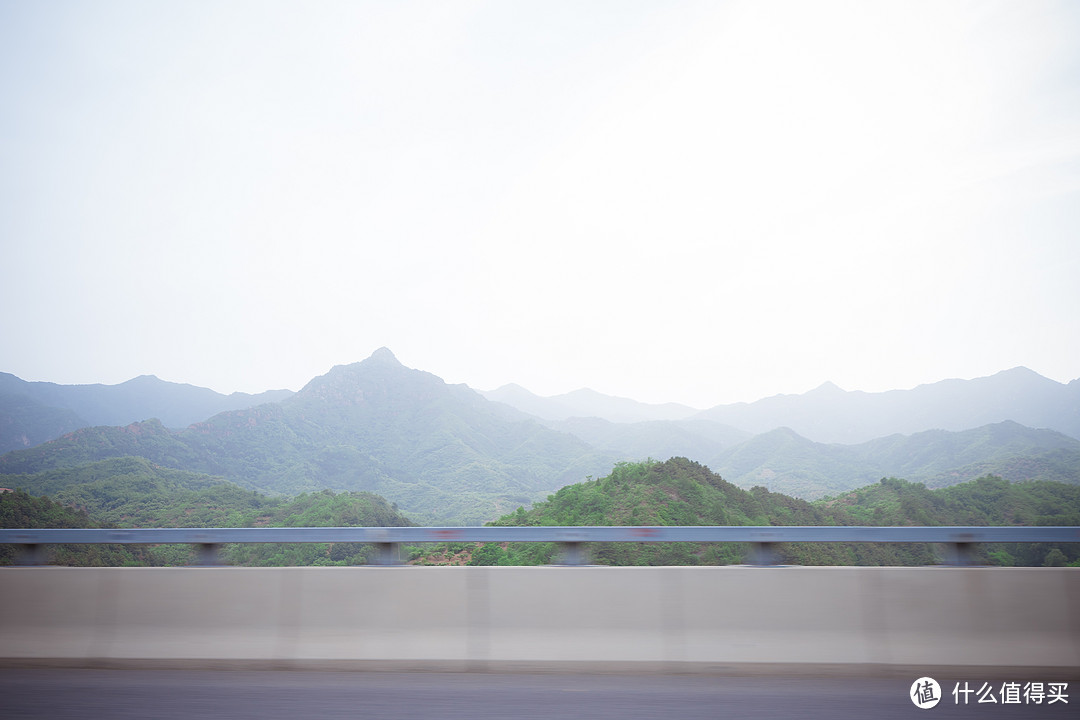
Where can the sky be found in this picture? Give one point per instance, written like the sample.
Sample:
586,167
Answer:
698,202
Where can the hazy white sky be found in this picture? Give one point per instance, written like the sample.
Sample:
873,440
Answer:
701,202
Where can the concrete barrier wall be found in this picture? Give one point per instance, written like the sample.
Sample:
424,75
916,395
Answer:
454,618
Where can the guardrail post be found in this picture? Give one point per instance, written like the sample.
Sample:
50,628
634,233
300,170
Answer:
31,554
208,555
763,554
572,554
961,553
387,554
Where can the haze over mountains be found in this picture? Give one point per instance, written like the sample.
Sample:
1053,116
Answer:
784,461
440,451
34,412
448,454
829,414
586,403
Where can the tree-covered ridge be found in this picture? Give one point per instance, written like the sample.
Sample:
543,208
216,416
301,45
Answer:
19,509
675,492
680,492
683,492
133,492
985,501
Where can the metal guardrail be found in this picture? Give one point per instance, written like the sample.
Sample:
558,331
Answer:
959,539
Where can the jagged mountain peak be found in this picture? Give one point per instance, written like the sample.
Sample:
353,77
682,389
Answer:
383,356
379,379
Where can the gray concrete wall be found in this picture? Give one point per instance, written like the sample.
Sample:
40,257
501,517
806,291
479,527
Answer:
708,618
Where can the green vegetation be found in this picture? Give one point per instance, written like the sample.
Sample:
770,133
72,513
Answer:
985,501
19,509
682,492
446,456
133,492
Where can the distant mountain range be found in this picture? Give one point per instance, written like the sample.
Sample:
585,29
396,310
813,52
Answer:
446,454
828,414
692,438
586,403
784,461
35,412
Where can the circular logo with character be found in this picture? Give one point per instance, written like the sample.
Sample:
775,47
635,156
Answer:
925,693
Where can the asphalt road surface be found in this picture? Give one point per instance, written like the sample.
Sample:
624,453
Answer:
265,695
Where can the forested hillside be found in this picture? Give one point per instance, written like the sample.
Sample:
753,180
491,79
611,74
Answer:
682,492
19,509
133,492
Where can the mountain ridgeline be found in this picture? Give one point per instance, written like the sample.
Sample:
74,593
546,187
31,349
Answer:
441,451
35,412
831,415
783,460
683,492
447,455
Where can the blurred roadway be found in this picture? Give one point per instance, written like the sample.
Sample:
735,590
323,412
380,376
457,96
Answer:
265,695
